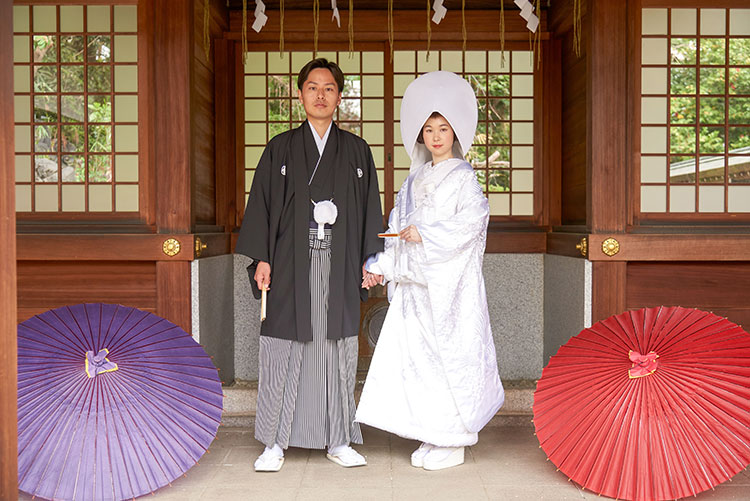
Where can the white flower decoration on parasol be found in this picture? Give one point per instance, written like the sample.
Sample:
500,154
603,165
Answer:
325,212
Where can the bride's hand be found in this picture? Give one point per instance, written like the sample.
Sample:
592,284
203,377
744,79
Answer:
371,279
410,234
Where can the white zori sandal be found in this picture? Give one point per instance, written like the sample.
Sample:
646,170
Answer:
417,457
443,457
271,459
345,456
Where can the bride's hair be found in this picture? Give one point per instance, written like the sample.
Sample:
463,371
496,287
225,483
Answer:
435,114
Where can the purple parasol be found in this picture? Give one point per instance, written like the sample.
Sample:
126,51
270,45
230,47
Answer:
113,402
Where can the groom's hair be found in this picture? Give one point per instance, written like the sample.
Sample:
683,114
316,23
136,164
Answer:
321,62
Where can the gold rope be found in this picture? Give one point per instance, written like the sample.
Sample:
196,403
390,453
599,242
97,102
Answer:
429,30
531,48
206,31
244,32
316,21
390,26
577,27
502,34
281,29
351,29
463,28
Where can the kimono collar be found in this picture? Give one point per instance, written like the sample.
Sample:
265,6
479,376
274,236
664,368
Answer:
320,142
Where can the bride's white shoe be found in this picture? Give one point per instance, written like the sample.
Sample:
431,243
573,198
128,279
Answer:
443,457
417,457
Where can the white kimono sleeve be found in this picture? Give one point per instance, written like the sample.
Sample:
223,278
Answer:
444,239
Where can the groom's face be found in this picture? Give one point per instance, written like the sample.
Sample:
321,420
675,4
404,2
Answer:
320,95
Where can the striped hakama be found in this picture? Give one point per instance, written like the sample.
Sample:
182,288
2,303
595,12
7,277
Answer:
306,390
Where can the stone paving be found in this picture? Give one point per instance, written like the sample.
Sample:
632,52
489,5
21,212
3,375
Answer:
507,463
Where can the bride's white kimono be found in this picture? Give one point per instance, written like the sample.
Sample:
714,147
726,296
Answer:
434,376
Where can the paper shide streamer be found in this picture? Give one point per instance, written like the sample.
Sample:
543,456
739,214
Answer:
336,14
260,21
260,16
527,12
439,9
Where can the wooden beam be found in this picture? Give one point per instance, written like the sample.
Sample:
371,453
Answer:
372,25
516,242
564,244
102,247
8,371
666,247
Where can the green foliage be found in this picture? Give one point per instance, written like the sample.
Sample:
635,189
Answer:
85,126
699,96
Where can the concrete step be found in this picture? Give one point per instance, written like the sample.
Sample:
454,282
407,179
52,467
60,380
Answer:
241,398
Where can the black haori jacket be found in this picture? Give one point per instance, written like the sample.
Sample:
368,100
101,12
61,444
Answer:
276,225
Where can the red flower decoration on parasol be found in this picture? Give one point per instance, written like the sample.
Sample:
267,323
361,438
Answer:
649,404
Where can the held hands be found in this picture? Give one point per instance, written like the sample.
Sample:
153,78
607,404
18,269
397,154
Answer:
263,275
370,279
410,234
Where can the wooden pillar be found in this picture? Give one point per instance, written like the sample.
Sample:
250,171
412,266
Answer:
607,134
8,361
225,130
173,52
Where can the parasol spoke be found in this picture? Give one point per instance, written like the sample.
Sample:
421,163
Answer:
50,443
43,408
139,330
143,443
39,326
131,462
41,338
79,330
120,318
159,417
150,387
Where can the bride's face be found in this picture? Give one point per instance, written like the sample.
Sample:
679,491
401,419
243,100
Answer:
438,138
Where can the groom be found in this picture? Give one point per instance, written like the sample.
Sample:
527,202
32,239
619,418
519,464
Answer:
311,221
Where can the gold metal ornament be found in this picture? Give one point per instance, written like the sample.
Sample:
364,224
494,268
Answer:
171,247
583,247
200,246
610,247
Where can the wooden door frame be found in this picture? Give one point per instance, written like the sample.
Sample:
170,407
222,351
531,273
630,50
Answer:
8,360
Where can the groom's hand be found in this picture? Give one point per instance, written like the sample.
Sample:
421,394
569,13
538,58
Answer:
263,275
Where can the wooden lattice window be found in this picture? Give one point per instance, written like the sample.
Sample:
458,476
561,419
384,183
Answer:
76,108
695,113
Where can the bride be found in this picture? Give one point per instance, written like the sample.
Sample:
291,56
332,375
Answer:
433,375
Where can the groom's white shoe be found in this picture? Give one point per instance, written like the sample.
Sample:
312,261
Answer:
345,456
271,460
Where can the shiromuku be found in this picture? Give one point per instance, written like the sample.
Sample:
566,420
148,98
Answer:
434,375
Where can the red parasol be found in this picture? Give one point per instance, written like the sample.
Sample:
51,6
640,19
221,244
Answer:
648,404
